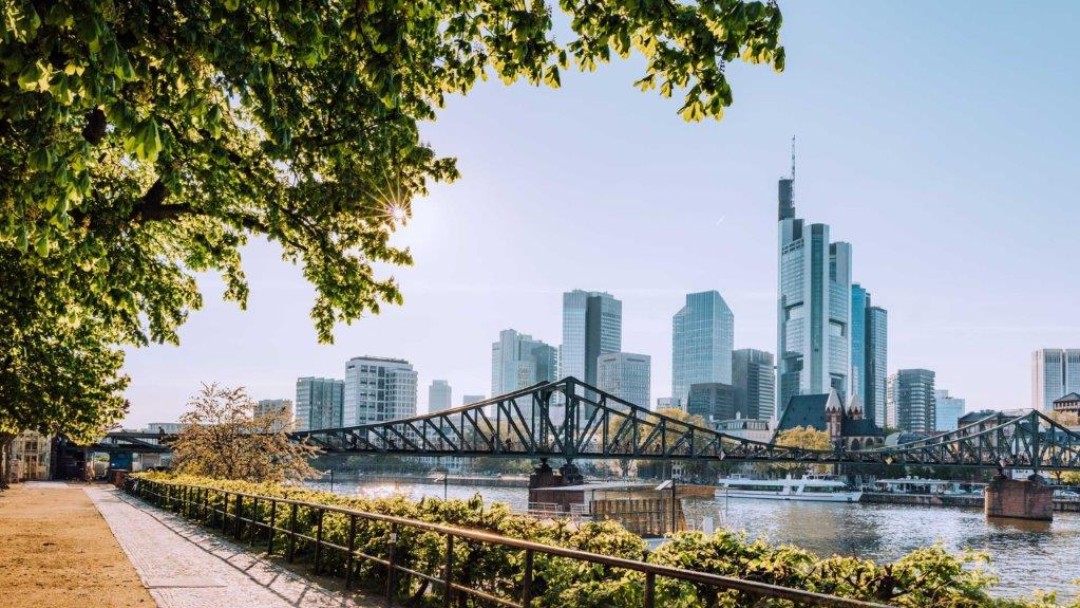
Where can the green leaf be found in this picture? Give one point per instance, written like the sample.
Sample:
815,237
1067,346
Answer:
34,77
42,244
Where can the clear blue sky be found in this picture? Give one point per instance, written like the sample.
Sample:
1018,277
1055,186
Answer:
940,139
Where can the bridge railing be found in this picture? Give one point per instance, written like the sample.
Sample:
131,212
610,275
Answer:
296,530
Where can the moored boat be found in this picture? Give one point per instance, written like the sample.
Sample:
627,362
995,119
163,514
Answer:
809,489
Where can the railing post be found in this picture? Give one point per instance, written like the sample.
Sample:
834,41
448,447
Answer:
448,576
238,529
206,505
224,512
254,521
318,539
526,595
292,534
650,590
390,565
352,548
270,528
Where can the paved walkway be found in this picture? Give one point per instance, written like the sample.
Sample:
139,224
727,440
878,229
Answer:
184,566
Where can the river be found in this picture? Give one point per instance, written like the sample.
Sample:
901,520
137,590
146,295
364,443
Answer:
1026,555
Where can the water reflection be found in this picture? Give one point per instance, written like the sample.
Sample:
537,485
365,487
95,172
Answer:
1026,555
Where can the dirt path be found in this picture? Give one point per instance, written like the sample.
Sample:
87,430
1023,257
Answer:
56,550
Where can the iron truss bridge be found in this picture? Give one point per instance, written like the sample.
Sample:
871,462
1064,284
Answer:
132,441
570,420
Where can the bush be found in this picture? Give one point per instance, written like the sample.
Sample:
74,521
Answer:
928,577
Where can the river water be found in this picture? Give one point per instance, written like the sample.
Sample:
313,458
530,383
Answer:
1026,555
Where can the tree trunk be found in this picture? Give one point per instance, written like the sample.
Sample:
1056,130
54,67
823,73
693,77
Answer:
7,442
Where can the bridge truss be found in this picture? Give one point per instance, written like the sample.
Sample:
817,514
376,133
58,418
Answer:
570,420
131,441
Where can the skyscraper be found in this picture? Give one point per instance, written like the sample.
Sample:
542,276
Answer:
702,339
378,389
875,400
439,396
518,361
1055,372
625,375
948,410
869,354
813,306
911,404
754,381
860,301
592,326
318,403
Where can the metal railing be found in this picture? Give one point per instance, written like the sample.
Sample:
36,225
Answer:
272,519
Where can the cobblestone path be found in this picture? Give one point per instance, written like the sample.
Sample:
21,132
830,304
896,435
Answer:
185,566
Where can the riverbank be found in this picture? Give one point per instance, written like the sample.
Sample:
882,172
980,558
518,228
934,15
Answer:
949,500
58,551
479,480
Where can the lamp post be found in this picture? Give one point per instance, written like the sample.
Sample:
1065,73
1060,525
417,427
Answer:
445,480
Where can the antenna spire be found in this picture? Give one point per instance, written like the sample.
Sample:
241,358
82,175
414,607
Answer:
792,158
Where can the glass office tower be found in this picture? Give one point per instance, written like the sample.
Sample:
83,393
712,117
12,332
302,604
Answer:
702,341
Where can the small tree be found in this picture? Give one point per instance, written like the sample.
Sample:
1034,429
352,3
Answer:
221,439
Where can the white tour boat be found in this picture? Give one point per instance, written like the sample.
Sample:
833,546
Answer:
810,488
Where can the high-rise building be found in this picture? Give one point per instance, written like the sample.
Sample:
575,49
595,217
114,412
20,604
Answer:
1055,372
813,306
754,380
625,375
467,399
439,396
378,389
592,326
518,361
869,354
713,401
948,410
266,407
875,401
318,403
911,404
860,301
702,339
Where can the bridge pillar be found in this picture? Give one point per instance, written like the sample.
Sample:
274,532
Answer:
1020,499
544,478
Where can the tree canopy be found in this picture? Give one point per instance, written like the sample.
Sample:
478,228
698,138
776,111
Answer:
805,437
221,438
143,142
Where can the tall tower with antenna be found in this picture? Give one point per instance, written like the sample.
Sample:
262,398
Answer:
813,351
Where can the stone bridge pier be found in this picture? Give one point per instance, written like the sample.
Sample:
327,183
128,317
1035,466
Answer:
1021,499
544,478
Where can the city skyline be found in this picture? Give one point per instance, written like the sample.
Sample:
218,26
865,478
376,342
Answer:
661,209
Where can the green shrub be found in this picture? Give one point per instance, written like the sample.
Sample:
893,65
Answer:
927,577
